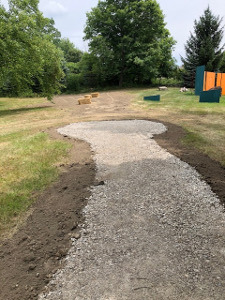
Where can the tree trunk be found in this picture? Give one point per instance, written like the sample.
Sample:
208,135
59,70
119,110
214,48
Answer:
121,79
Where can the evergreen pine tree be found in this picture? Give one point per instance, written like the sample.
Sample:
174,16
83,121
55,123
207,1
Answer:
203,47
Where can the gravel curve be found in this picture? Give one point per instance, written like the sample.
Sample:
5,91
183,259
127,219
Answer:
154,230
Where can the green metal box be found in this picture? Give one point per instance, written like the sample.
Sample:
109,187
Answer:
199,79
211,96
152,98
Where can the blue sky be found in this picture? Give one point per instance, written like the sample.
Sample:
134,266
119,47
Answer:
70,17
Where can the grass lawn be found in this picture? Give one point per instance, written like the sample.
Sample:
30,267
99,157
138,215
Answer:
204,122
28,157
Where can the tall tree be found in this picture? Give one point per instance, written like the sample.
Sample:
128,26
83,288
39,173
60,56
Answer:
222,65
29,61
203,46
72,57
71,53
126,37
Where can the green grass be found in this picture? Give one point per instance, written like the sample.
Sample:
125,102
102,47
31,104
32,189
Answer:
182,102
204,122
28,157
28,165
19,103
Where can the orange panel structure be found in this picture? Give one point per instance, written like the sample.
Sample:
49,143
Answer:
223,83
219,79
209,81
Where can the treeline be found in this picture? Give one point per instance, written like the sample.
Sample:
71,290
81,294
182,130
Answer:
87,70
128,44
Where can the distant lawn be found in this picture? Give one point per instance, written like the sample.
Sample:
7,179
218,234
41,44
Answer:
28,157
204,122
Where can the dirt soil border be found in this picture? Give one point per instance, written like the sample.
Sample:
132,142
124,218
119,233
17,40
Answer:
211,171
36,251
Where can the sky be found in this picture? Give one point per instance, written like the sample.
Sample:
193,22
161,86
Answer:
70,18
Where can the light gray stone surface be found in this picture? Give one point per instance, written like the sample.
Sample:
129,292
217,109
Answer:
154,231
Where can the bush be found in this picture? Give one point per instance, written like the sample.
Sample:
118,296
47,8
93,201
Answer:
73,82
172,82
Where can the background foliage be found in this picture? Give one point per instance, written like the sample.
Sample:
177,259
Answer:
129,45
129,41
203,47
30,62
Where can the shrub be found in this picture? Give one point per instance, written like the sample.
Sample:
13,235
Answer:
73,82
172,82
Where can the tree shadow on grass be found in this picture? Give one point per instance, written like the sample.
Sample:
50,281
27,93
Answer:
9,112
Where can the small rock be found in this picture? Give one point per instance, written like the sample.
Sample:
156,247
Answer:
76,235
31,267
99,183
74,226
29,258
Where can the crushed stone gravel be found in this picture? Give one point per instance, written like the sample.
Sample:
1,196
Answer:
153,230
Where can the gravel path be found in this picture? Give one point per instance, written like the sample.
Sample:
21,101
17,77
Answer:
154,230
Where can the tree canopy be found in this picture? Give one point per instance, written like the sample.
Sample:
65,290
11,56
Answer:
29,60
129,40
203,46
71,53
72,57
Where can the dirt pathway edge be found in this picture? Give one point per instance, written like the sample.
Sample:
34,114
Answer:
211,171
37,250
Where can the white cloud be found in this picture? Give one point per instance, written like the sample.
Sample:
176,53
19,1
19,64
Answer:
4,3
52,8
